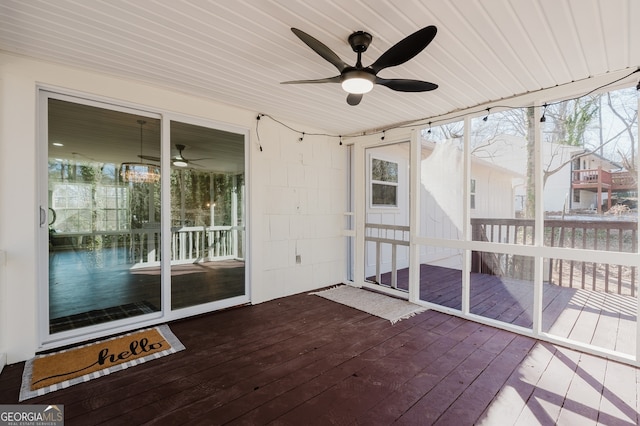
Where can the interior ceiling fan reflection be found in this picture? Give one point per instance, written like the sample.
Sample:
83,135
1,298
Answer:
178,160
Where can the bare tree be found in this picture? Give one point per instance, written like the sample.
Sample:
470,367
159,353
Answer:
621,106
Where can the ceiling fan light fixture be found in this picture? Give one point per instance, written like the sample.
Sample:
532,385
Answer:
357,82
179,162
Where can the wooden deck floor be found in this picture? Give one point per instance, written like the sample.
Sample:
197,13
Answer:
603,319
306,360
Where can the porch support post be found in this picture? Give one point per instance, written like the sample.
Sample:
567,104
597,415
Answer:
637,268
599,206
539,224
466,217
360,213
414,215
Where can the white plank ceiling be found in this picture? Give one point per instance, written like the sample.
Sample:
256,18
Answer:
237,52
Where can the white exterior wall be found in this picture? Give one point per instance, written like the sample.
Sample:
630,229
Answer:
557,188
440,203
494,193
296,202
588,200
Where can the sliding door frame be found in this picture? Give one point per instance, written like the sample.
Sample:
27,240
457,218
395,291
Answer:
46,340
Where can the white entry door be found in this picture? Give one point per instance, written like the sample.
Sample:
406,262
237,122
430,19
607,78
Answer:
386,229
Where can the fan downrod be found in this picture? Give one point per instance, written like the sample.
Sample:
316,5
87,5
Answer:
360,41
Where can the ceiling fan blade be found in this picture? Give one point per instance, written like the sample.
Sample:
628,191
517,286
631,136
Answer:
406,85
335,79
149,158
321,49
405,49
354,98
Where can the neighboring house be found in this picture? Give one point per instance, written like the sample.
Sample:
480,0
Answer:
441,200
595,180
570,173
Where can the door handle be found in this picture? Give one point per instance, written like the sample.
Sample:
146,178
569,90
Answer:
43,216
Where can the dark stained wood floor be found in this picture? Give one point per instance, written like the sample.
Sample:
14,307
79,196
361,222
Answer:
305,360
605,320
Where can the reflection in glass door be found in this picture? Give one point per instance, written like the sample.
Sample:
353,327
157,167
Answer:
207,215
103,215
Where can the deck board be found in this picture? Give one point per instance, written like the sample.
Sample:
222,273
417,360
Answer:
551,390
304,359
619,395
584,393
606,320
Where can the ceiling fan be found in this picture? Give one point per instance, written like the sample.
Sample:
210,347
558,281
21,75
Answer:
358,80
178,161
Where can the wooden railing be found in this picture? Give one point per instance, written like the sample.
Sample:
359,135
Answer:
618,236
141,247
624,180
395,235
592,178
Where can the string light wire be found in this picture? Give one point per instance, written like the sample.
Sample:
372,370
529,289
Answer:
434,120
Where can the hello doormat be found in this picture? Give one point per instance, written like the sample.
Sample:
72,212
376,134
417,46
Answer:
49,372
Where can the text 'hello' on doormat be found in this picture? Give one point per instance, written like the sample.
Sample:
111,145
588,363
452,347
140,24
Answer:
49,372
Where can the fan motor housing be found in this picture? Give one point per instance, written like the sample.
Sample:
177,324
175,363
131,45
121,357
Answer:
360,41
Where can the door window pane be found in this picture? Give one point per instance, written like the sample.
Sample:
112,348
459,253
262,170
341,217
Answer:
387,219
207,215
104,233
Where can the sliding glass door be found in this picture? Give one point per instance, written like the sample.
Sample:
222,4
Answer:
207,215
142,217
103,215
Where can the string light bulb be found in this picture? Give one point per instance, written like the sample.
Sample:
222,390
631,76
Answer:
544,111
429,131
486,117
